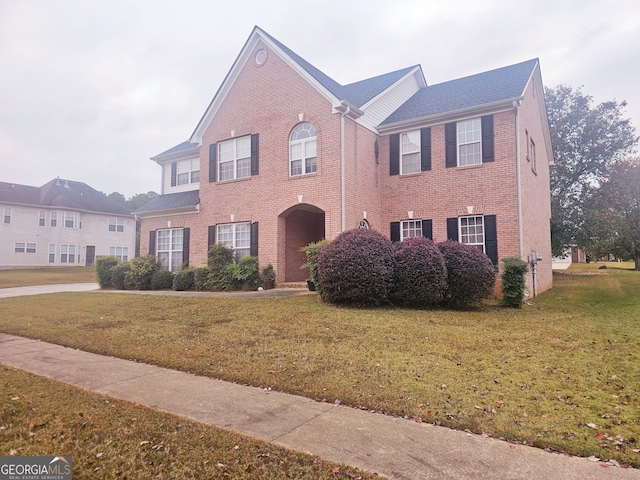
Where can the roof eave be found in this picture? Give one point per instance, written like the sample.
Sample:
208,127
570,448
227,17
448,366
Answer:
179,155
494,107
169,212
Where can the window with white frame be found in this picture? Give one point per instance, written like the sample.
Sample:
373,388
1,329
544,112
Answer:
472,231
410,228
169,251
410,152
121,253
42,219
52,253
188,171
469,142
236,236
31,248
70,219
234,158
116,224
54,219
19,247
7,214
302,150
67,253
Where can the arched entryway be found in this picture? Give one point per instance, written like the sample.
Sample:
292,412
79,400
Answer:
300,225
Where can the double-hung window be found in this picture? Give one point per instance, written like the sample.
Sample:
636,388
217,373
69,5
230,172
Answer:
70,219
7,214
472,231
121,253
54,219
52,253
410,152
411,228
234,158
532,155
42,219
469,142
302,150
116,224
236,236
67,253
170,248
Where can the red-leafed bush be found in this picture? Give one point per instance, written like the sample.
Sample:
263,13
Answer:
470,274
420,273
357,268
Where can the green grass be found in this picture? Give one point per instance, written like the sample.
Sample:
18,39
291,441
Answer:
538,375
46,276
108,438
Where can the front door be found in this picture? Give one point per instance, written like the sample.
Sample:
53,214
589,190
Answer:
91,254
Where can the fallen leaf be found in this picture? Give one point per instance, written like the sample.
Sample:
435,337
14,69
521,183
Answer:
13,452
591,425
136,404
600,436
15,398
420,405
98,455
512,447
336,470
593,458
144,442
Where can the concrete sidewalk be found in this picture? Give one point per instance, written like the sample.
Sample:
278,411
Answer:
393,447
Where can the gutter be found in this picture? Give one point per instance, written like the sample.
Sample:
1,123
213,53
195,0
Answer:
516,104
345,109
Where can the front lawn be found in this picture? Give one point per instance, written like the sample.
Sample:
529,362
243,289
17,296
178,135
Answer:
562,373
46,276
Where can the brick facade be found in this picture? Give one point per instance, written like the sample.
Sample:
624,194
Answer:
271,99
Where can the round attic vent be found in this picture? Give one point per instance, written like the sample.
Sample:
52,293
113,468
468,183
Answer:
261,56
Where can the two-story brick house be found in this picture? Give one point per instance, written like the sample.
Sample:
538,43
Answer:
62,223
284,156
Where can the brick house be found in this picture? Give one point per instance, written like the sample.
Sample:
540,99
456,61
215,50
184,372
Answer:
284,156
62,223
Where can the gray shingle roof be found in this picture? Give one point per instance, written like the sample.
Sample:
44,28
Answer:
171,201
357,93
61,193
502,84
182,147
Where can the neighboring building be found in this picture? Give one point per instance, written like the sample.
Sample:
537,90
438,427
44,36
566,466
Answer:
284,156
62,223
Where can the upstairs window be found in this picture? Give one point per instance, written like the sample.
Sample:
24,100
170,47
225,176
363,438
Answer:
54,219
42,219
70,219
7,214
410,152
532,155
302,150
234,158
185,172
469,142
116,224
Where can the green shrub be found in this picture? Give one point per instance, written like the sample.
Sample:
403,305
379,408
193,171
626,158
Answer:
268,277
118,273
513,281
219,255
141,271
420,273
248,273
223,278
162,279
184,280
357,268
103,267
200,278
471,275
312,251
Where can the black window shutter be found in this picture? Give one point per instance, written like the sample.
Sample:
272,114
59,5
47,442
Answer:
211,236
425,149
174,174
213,164
452,228
255,167
427,229
186,234
253,243
152,242
395,231
491,238
394,154
487,138
451,145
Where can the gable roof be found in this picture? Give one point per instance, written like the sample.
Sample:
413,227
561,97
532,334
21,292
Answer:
65,194
502,85
184,149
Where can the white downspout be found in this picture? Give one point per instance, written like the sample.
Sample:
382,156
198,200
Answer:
518,180
343,202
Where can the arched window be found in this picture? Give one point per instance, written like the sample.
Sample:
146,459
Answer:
302,150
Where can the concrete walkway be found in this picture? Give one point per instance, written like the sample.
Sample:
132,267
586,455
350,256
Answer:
392,447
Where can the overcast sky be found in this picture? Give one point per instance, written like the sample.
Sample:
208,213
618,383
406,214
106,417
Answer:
91,89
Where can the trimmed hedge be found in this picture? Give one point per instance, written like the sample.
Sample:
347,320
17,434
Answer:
420,273
141,270
513,282
118,273
161,280
103,266
184,280
471,275
357,268
200,278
